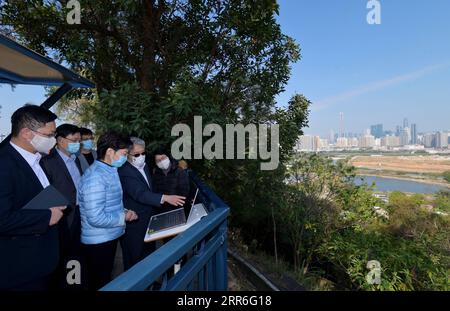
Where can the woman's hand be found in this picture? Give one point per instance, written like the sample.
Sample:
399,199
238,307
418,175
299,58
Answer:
131,215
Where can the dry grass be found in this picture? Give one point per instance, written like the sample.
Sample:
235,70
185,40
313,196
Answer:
409,164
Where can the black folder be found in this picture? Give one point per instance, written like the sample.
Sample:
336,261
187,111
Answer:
49,197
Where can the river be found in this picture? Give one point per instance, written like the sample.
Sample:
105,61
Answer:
392,184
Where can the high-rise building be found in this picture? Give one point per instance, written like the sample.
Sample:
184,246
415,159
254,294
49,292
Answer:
429,140
352,142
377,130
390,141
341,142
308,143
341,124
413,134
324,145
405,136
398,130
331,139
405,123
441,140
367,141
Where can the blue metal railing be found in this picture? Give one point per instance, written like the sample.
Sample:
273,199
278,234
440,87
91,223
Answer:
203,247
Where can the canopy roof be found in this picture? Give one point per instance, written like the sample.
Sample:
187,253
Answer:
20,65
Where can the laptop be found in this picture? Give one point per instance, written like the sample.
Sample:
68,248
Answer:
174,222
169,219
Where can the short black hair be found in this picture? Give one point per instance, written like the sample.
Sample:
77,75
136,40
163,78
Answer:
114,140
30,116
65,130
161,150
85,131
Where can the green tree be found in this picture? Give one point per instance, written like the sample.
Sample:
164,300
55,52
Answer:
159,63
446,175
321,200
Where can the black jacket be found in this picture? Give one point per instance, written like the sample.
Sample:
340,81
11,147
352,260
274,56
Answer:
59,176
28,246
141,198
176,182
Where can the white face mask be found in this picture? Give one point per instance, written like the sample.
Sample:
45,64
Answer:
43,144
139,162
164,164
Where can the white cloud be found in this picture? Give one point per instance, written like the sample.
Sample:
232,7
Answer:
375,86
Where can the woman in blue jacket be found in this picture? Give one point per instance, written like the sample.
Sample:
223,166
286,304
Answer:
102,213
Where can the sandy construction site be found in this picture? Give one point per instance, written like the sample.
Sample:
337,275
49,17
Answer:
410,164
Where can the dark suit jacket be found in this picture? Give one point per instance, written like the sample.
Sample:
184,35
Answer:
139,197
137,194
59,176
28,246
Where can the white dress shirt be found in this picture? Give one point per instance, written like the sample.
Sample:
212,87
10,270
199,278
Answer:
141,170
33,161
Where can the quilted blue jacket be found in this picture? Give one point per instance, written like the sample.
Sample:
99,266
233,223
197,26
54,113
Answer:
101,207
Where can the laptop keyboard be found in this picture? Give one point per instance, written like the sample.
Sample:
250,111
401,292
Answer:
167,220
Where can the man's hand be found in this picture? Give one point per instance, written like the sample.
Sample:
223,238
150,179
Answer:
57,214
131,216
174,200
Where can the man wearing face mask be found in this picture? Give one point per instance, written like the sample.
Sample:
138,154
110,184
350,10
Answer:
139,196
63,170
87,154
29,243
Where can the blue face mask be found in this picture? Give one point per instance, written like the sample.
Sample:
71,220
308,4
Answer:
73,148
119,162
88,144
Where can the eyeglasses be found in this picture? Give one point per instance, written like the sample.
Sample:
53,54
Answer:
45,135
138,154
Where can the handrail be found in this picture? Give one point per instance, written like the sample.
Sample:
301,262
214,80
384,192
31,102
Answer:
205,243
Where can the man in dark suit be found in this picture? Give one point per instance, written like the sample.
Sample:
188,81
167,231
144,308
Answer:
139,197
63,170
28,238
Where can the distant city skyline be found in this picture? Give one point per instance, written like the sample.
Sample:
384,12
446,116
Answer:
372,73
401,124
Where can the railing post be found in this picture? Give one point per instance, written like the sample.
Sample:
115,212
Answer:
205,270
221,261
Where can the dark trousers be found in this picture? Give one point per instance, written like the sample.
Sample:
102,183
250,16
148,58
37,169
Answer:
70,249
134,249
100,262
40,284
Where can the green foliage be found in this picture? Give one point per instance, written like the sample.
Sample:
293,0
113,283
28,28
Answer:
321,200
331,226
442,201
405,264
446,175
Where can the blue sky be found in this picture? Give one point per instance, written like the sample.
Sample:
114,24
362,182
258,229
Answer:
371,73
